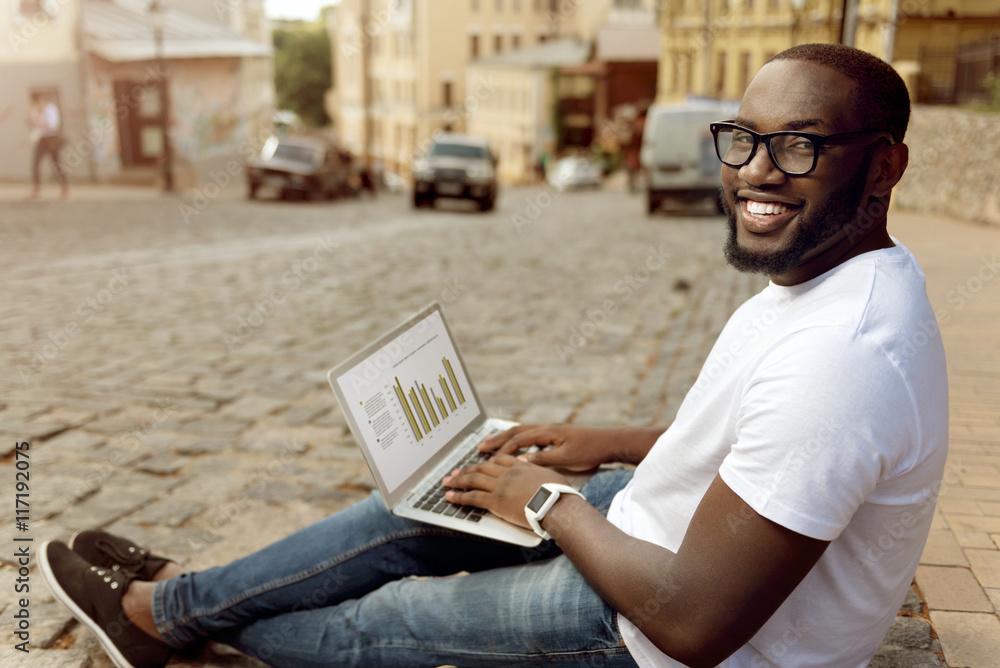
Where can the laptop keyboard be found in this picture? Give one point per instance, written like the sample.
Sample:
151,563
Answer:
433,499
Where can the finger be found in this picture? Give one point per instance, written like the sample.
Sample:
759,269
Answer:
540,436
473,497
551,457
497,463
471,481
495,441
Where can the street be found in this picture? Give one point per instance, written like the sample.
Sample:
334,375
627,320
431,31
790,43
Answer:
168,367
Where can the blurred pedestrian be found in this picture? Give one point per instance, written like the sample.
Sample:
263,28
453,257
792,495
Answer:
45,126
368,183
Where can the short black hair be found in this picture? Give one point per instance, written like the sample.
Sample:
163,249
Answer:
880,98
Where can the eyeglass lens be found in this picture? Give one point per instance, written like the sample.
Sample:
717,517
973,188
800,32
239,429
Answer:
790,153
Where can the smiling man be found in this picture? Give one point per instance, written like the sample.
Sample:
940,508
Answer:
777,522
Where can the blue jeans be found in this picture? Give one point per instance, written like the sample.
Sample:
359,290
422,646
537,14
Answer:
337,594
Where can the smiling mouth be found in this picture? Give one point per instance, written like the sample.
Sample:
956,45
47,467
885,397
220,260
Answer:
763,217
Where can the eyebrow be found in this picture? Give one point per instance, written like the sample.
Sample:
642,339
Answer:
791,125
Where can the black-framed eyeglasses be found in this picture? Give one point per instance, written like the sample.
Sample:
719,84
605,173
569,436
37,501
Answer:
794,153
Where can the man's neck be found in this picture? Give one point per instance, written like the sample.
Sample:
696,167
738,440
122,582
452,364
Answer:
845,247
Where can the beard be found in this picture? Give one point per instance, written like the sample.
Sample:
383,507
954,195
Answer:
815,227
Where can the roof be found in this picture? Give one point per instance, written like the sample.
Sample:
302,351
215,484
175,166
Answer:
119,31
553,53
627,43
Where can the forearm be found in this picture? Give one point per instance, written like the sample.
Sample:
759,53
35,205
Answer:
630,445
707,600
633,576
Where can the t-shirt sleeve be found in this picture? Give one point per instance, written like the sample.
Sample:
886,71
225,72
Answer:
823,417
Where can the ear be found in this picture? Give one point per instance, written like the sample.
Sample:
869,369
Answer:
888,167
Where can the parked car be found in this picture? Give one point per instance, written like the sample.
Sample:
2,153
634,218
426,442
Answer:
304,167
574,173
456,166
678,153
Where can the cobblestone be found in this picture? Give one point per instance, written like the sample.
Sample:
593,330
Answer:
191,410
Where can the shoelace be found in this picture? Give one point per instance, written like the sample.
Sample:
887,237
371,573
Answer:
133,557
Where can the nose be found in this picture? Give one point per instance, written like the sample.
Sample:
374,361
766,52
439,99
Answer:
761,169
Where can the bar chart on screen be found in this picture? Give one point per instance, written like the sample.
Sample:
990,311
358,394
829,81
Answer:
423,406
409,398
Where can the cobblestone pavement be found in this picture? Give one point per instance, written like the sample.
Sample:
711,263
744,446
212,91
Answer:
170,375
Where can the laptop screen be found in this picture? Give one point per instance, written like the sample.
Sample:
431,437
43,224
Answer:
408,397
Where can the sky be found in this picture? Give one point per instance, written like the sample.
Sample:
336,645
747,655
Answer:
296,9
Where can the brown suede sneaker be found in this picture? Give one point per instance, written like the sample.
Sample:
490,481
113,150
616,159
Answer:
93,595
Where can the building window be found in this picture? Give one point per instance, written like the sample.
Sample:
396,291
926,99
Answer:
473,46
498,5
446,93
475,6
497,43
515,5
515,41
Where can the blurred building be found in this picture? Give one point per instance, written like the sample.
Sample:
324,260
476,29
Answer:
403,69
713,48
98,61
517,112
569,94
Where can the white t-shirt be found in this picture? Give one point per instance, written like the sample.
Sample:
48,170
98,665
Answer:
824,406
44,123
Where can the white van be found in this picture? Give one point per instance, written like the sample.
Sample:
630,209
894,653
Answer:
677,153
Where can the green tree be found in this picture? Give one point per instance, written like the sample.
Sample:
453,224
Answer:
302,71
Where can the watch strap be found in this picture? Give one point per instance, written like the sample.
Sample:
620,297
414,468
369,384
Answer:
555,490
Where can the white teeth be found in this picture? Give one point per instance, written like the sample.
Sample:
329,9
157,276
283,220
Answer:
766,208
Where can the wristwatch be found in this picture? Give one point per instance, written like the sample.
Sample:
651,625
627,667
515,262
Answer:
542,502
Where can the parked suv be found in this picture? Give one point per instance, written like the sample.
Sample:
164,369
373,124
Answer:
456,166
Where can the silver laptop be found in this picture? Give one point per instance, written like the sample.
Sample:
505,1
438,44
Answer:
416,416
